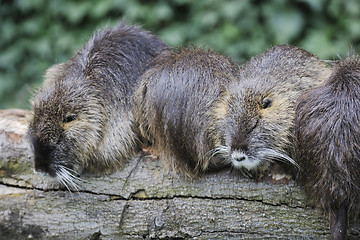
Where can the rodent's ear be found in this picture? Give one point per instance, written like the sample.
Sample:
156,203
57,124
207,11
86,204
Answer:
266,102
53,73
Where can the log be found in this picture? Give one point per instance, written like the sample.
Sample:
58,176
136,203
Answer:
145,201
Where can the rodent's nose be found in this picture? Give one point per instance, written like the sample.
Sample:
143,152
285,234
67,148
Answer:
43,157
43,166
240,159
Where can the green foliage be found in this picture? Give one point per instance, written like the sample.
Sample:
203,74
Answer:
37,33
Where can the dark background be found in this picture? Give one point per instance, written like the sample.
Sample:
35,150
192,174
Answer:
34,34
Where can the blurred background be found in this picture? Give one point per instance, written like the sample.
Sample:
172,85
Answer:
35,34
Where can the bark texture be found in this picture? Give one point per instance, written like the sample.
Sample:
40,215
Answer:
145,201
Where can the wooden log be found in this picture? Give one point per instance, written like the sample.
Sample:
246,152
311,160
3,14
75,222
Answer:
145,201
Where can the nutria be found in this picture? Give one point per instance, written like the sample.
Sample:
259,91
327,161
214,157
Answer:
327,133
200,110
259,109
82,116
173,107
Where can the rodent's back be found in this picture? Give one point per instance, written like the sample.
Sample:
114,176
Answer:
174,100
327,135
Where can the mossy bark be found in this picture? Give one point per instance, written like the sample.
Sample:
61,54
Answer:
145,201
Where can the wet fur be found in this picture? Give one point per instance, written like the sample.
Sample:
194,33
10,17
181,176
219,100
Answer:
82,118
327,133
174,107
259,108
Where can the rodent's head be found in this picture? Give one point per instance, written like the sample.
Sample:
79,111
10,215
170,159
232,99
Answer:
68,123
257,112
256,126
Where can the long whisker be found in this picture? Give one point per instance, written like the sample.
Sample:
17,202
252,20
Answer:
63,182
68,178
272,155
212,152
74,174
219,150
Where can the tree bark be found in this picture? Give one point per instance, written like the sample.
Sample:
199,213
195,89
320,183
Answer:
145,201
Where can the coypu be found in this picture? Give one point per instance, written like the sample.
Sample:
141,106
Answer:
82,118
258,110
173,106
326,143
202,111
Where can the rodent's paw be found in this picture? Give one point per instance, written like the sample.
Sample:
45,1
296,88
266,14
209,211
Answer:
150,153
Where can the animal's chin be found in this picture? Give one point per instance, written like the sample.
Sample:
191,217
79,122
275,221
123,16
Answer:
45,171
240,160
50,175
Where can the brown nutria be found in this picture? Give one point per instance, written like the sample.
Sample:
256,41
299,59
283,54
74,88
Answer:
82,116
173,107
327,133
257,112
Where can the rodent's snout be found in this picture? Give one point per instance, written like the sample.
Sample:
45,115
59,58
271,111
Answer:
240,159
239,143
42,159
42,165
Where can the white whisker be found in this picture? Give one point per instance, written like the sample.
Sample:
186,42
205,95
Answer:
63,182
212,153
68,178
219,150
272,155
74,174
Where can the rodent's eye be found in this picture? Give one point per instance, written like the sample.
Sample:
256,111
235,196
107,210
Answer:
70,118
266,102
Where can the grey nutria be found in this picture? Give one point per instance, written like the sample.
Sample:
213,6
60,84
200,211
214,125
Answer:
258,110
327,144
201,110
174,107
82,117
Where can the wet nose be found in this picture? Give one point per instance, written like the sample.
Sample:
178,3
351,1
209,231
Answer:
43,166
240,159
41,163
43,158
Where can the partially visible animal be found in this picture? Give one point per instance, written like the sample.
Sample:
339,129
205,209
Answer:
176,107
327,144
258,110
200,110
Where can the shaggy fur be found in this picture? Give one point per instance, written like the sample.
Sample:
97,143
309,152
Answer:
174,105
259,109
327,144
82,117
201,111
